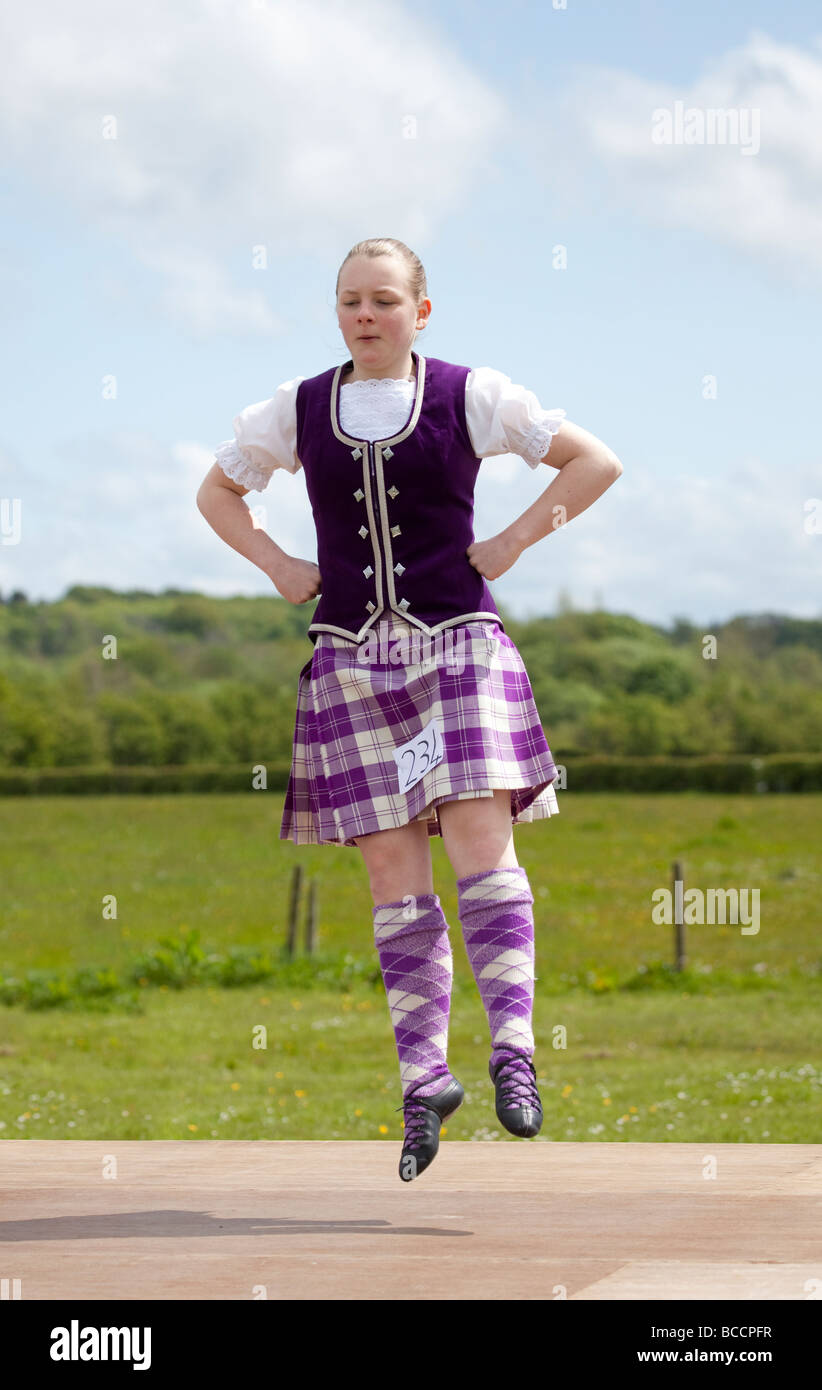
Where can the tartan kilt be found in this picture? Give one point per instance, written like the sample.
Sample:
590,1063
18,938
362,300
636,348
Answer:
357,703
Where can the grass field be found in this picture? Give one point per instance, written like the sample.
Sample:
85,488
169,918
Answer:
729,1051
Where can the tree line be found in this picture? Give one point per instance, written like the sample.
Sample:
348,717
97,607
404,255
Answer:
107,678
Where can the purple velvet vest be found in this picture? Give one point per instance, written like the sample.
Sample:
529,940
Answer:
394,518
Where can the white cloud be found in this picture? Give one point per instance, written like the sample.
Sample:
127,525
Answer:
239,125
767,203
660,545
197,293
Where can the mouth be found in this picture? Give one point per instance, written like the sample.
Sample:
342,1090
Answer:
368,338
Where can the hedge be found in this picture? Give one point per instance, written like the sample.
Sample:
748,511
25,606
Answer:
777,772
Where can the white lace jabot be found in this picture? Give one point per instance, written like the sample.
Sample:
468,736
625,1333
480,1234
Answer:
376,407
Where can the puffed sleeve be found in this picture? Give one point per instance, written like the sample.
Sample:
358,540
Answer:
504,418
265,438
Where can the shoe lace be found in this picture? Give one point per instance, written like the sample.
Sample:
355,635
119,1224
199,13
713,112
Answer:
517,1083
414,1116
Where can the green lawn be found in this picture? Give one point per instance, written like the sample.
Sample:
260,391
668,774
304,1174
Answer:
731,1055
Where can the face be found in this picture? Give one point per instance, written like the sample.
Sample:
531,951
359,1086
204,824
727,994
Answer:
377,315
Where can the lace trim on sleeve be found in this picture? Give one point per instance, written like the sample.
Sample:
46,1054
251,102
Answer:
237,465
538,439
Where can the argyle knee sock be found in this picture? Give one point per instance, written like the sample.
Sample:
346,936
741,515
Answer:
496,913
417,971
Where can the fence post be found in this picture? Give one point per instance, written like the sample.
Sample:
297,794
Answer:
296,886
679,925
311,919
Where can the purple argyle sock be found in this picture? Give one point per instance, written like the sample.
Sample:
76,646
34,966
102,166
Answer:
496,913
417,969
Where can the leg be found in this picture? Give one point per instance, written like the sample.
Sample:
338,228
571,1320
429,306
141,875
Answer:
477,833
496,912
398,862
411,937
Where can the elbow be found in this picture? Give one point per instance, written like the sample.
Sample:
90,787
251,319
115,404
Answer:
614,464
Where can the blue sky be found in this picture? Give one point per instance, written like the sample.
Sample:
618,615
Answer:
241,125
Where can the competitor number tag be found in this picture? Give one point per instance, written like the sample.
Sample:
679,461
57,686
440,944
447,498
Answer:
419,755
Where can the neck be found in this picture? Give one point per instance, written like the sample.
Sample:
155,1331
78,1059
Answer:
400,371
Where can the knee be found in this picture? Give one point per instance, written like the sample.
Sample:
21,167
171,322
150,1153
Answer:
482,854
392,885
478,834
385,880
394,874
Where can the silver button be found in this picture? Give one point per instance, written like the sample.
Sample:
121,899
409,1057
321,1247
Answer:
356,453
404,603
393,492
359,494
370,606
395,531
399,569
363,531
368,572
386,453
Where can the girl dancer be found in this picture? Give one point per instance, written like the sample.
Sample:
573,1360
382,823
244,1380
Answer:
415,715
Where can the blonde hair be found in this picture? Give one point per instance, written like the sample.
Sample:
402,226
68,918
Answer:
389,246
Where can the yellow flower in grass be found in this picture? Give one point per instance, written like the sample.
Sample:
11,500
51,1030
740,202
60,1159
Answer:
566,1090
606,1100
383,1129
235,1085
299,1094
194,1126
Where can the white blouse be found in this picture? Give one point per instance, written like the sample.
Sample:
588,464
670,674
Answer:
502,418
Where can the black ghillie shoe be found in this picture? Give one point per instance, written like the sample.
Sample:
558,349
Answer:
423,1116
518,1105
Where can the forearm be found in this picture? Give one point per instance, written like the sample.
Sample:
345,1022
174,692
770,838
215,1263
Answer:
578,484
227,514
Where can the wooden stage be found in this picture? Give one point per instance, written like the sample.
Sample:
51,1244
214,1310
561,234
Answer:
195,1219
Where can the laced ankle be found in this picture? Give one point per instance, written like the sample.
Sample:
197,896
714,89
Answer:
517,1084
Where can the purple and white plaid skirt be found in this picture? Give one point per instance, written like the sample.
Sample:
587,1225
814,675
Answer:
357,703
